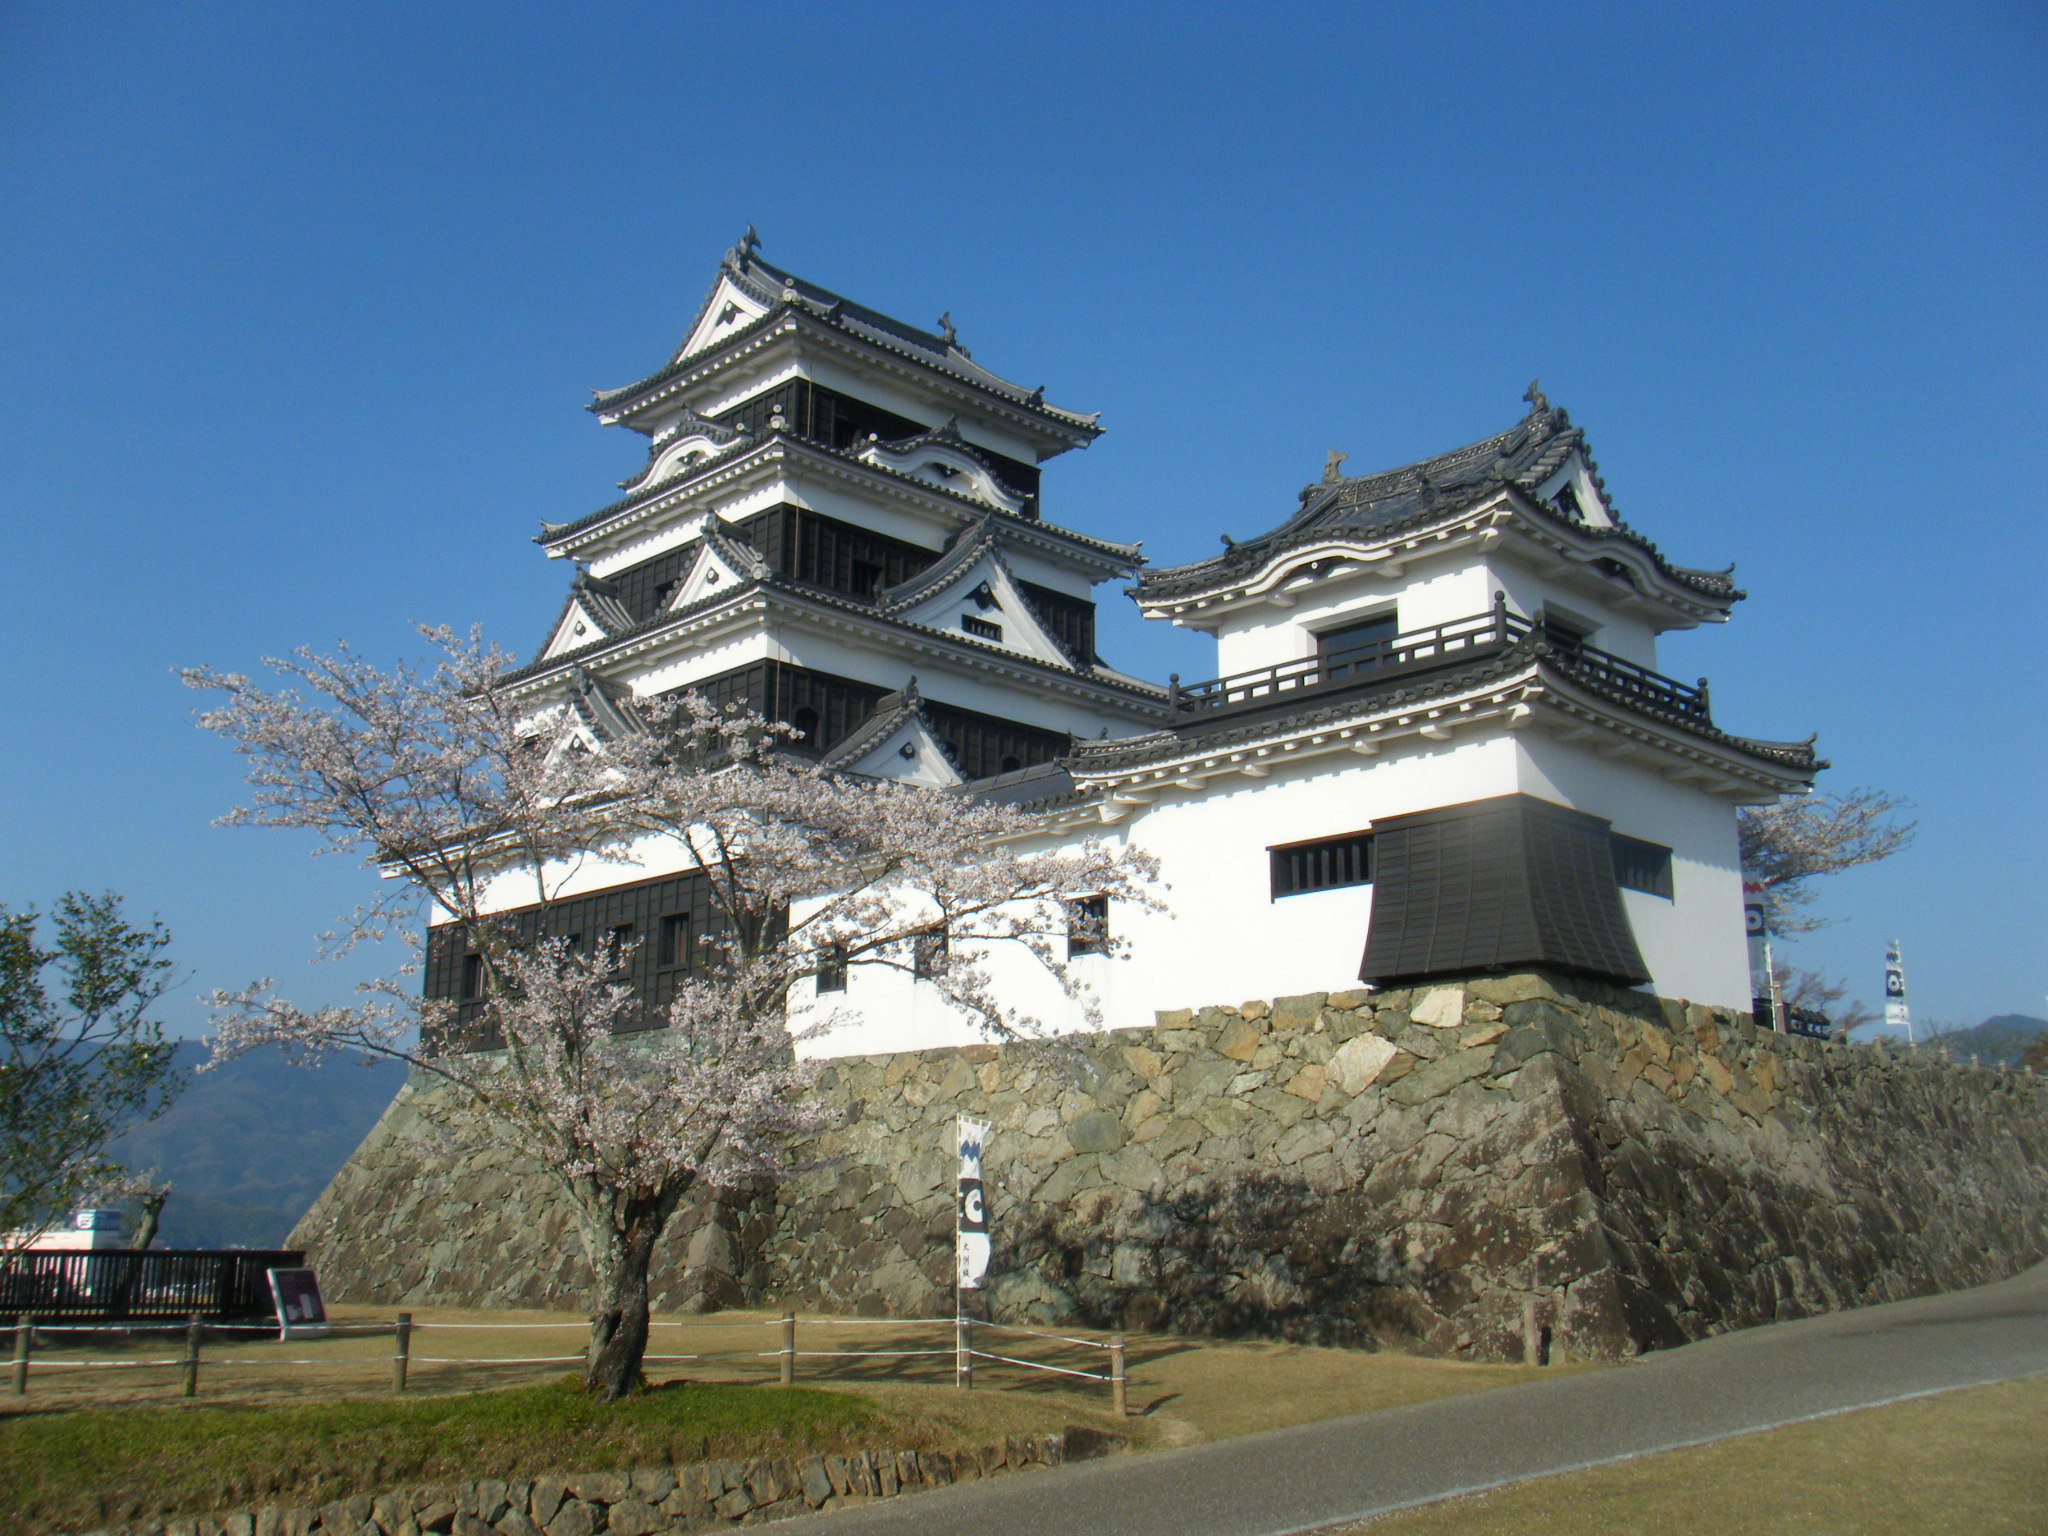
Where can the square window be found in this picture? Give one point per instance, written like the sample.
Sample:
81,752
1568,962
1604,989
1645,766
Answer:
1088,926
1641,866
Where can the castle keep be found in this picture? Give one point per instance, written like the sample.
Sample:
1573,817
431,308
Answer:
1438,806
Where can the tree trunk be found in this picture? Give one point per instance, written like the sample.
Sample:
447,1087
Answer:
621,1253
150,1212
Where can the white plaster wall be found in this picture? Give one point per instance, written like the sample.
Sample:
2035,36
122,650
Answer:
1427,594
905,520
1693,944
1435,591
1221,937
707,660
1625,635
684,523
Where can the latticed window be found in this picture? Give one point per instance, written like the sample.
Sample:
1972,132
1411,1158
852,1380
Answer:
1328,864
676,942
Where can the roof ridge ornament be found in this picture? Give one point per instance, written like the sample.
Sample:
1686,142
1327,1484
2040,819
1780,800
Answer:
742,250
946,332
1331,473
1538,402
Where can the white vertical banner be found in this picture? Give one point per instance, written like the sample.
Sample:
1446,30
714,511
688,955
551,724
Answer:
970,1230
1896,1014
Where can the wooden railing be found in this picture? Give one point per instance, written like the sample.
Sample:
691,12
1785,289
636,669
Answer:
116,1284
1401,657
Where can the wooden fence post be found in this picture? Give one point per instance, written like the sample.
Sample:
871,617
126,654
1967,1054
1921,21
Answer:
788,1349
24,1332
1116,1375
192,1356
963,1352
401,1352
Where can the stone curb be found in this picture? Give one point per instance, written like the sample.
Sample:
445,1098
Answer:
651,1501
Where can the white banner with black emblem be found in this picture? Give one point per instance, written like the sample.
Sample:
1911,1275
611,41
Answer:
1896,1013
970,1241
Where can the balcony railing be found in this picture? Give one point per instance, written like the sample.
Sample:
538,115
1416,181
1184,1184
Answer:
1400,658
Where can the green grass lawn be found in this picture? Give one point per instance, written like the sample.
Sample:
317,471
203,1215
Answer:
1966,1463
82,1467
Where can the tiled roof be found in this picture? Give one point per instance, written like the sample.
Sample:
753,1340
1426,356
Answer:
1417,495
784,292
554,533
1040,787
765,581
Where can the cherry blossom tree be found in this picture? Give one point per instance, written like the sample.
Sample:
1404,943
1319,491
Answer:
458,790
1787,844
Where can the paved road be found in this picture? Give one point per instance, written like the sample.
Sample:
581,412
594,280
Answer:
1293,1480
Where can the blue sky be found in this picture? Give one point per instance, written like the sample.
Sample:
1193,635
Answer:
302,303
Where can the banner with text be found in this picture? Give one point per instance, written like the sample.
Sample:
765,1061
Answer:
971,1228
1895,1011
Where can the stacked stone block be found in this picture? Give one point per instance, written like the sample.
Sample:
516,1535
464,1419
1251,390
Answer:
1406,1168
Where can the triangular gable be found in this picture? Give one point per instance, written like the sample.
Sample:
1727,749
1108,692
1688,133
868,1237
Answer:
980,594
728,309
900,746
1572,485
577,627
721,565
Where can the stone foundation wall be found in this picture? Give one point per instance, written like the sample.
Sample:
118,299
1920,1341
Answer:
653,1501
409,1220
1402,1168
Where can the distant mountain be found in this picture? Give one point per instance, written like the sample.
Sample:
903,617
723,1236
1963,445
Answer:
249,1145
2000,1039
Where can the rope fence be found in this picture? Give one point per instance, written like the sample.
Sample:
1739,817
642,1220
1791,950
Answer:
196,1330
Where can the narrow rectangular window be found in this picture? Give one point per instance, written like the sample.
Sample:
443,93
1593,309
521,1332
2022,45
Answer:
1641,866
472,976
928,950
1088,926
832,969
616,940
676,949
1327,864
981,628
